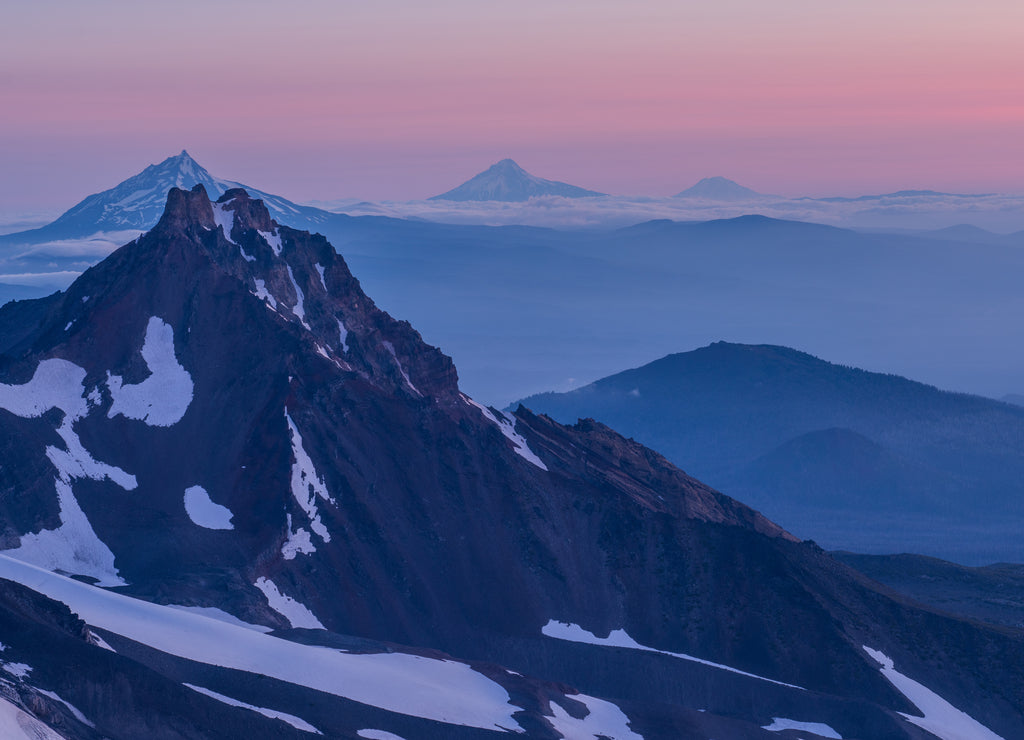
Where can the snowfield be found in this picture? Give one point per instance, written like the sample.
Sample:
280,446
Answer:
619,638
445,691
940,718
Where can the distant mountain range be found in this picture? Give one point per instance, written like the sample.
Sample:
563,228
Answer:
856,460
507,181
720,189
585,302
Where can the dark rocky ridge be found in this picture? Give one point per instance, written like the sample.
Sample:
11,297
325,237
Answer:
440,534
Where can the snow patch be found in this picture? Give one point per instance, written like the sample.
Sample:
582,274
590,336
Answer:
297,614
307,484
273,240
204,512
781,723
604,720
440,690
296,722
405,376
17,724
225,219
378,735
18,670
263,294
68,325
212,612
162,399
298,542
70,707
298,309
72,547
320,272
619,638
245,255
343,334
940,718
508,428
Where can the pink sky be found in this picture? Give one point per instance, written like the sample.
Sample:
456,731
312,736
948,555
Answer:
403,99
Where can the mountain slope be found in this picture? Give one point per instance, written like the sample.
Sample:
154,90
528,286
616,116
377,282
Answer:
719,188
217,416
855,459
507,181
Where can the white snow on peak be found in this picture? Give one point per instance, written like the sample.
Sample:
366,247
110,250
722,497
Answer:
17,724
508,428
296,722
297,614
307,483
343,334
220,615
73,546
619,638
320,272
162,399
298,309
405,376
818,728
70,707
299,542
440,690
225,219
263,294
204,512
378,735
604,720
273,240
940,718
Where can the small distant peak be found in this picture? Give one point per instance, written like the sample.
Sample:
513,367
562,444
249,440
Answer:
184,155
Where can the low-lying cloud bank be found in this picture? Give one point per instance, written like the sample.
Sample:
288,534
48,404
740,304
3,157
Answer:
1001,213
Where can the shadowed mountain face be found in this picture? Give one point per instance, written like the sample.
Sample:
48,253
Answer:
217,416
854,459
507,181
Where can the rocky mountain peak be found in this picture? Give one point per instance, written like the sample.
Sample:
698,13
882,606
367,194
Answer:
186,209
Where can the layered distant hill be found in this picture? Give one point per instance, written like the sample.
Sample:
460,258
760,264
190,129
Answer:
507,181
856,460
241,501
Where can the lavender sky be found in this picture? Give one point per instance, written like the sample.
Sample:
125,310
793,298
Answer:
402,99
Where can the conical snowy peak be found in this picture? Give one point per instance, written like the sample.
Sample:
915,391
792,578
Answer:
138,202
721,189
507,181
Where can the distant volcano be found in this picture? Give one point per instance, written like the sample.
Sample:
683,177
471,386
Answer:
507,181
719,188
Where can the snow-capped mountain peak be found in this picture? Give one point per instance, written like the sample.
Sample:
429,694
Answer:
507,181
137,203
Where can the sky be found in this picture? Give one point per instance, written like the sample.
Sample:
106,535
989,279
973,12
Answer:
401,99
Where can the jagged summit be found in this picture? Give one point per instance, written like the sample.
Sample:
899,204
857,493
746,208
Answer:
507,181
719,188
